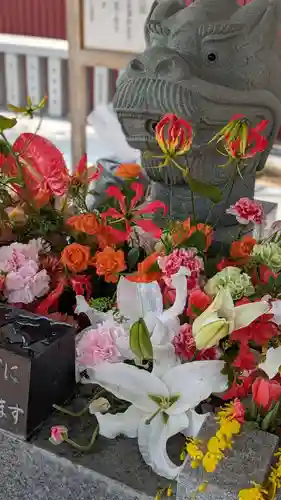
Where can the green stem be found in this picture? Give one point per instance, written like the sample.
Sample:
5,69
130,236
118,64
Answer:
88,446
81,412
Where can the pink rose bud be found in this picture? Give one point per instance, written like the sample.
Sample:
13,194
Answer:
59,433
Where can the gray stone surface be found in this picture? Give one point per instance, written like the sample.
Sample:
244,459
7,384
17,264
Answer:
249,460
205,63
113,470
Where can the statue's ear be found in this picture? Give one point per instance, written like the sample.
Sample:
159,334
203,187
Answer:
161,11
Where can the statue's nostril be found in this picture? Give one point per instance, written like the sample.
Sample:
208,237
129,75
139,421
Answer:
137,65
151,126
165,67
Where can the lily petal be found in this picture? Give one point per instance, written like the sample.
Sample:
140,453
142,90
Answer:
152,440
180,284
164,358
94,316
194,382
135,300
272,363
276,310
213,308
247,313
125,423
129,383
195,423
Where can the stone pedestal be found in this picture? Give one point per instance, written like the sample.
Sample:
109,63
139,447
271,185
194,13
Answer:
249,460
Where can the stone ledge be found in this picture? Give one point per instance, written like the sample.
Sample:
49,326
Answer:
113,470
249,460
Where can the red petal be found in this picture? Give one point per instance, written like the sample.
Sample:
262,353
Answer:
112,212
151,208
52,298
115,192
139,190
81,167
149,227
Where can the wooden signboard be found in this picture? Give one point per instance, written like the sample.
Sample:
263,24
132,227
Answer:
103,33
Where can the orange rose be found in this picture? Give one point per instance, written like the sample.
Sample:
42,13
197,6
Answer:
86,223
128,171
148,270
109,263
76,257
242,248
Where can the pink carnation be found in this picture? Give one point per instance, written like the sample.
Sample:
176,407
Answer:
24,282
99,344
246,211
186,258
185,347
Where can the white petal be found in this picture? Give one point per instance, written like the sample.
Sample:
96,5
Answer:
123,346
195,423
164,358
153,439
272,363
94,316
125,423
194,382
210,311
135,300
247,313
276,310
226,309
180,284
129,383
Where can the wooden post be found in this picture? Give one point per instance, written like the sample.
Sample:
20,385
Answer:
77,79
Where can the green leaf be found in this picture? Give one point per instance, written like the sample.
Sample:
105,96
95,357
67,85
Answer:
140,342
196,240
6,123
206,190
133,257
4,148
270,417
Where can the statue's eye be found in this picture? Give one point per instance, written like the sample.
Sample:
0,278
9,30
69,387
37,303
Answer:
212,57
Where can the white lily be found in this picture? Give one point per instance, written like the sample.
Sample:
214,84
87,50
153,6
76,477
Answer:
144,300
161,406
276,311
221,318
272,362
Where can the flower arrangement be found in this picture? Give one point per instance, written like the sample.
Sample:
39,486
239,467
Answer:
169,321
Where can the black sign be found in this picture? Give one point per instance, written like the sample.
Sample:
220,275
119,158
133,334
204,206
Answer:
37,368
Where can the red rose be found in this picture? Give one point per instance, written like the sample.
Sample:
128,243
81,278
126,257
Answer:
265,392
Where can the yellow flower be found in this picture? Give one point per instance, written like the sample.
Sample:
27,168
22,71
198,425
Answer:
256,493
229,428
216,445
211,460
202,487
195,464
194,451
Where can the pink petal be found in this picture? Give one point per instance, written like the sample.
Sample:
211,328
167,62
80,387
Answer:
149,227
